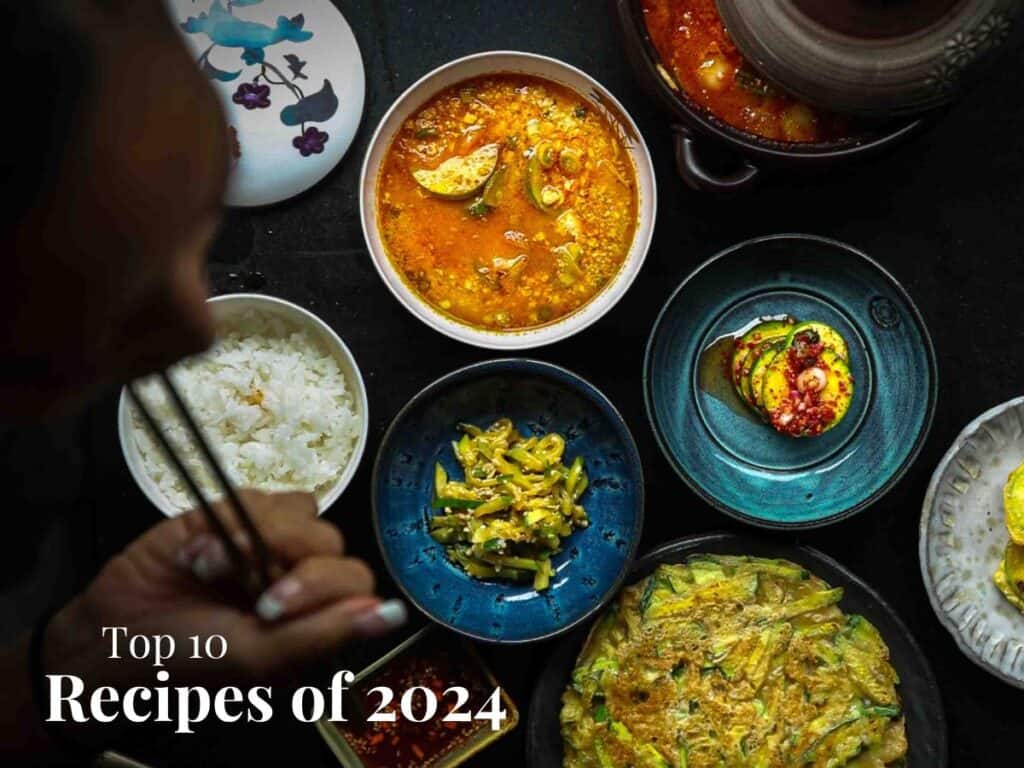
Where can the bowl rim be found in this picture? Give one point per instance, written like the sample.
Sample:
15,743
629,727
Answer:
927,510
749,144
540,336
357,386
893,479
516,365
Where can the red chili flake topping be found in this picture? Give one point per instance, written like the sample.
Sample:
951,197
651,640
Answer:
736,373
436,664
803,413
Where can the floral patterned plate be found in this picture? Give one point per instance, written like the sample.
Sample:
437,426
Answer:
291,77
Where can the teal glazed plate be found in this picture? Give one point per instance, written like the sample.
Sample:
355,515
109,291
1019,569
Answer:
539,398
738,463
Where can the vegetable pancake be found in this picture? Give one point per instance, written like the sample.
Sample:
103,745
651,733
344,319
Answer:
732,661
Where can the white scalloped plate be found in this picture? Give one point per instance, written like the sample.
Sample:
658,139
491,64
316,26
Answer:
963,537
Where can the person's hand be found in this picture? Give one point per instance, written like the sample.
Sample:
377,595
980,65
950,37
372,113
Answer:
177,580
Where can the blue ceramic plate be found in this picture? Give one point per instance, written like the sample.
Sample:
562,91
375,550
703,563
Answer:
739,464
539,398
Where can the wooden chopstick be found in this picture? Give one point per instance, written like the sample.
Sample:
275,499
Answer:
242,566
259,546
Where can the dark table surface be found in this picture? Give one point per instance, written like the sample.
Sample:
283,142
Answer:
944,213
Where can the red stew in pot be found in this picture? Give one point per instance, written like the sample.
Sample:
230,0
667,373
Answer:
701,58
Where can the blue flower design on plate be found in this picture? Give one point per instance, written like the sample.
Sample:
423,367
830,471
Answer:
227,30
740,465
539,398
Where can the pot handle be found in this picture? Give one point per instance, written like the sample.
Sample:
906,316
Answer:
696,176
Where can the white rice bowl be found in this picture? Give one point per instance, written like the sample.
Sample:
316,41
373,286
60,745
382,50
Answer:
272,401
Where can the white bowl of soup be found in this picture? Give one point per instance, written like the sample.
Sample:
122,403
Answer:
508,200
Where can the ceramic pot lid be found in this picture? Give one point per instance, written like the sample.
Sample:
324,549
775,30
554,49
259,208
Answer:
869,57
291,78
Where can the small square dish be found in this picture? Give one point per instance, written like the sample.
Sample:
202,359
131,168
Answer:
436,661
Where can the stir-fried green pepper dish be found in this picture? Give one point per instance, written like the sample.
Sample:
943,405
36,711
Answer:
732,661
516,504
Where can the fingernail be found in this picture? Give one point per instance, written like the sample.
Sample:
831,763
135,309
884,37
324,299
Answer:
212,563
271,605
385,617
269,608
190,550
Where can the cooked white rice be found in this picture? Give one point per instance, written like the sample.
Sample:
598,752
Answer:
271,401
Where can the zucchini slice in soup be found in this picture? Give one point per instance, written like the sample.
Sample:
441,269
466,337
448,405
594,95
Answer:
768,330
545,197
535,181
459,177
825,399
819,333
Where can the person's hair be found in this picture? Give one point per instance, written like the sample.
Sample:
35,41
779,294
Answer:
49,72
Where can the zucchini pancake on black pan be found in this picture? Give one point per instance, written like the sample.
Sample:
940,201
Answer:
730,652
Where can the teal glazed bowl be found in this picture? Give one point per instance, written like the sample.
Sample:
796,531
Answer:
741,465
539,398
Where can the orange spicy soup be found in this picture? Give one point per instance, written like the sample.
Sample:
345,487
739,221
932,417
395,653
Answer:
507,202
692,41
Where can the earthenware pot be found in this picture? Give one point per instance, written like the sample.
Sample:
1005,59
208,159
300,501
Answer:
697,133
871,58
